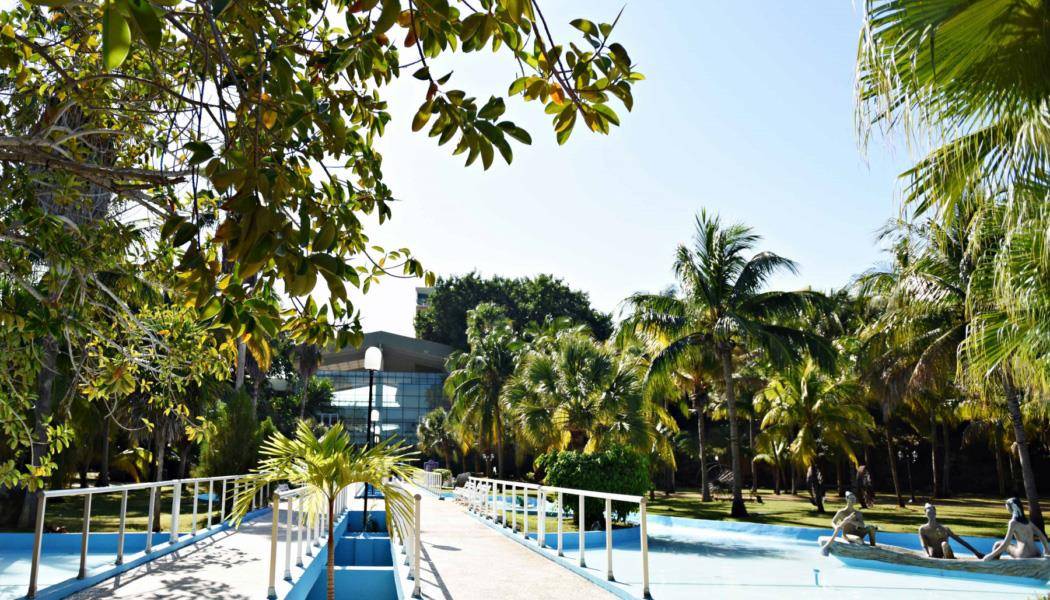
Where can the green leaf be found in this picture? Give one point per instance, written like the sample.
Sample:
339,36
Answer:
422,116
608,113
116,36
516,132
387,16
492,109
211,309
200,152
147,21
587,27
49,3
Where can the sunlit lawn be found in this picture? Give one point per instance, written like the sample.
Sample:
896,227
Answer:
966,515
68,512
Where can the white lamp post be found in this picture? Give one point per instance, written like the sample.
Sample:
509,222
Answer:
373,363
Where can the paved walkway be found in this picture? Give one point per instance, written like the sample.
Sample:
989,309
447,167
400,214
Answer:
464,559
229,564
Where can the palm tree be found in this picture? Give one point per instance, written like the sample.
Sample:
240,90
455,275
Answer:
324,466
816,412
579,394
435,435
726,310
309,362
695,370
476,378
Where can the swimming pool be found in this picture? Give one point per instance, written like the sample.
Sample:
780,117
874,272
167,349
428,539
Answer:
691,558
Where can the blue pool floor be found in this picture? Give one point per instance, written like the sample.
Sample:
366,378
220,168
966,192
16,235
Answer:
695,562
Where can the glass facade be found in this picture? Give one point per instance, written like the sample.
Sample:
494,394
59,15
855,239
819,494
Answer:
401,399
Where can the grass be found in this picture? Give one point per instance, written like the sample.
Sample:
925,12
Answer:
966,515
68,512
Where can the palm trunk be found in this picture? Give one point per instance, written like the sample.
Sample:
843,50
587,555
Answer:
701,435
242,353
946,486
331,549
1000,475
161,445
103,469
45,383
935,483
1013,407
794,479
738,509
892,458
776,479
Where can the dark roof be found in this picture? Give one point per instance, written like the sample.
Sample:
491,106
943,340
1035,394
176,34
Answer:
400,353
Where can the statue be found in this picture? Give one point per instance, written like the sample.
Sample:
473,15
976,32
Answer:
1022,533
934,536
850,523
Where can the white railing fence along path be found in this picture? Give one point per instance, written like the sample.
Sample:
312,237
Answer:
428,479
229,485
408,533
490,499
313,536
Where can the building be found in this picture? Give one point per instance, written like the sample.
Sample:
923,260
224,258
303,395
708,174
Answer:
408,385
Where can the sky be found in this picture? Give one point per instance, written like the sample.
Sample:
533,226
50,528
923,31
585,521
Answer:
746,110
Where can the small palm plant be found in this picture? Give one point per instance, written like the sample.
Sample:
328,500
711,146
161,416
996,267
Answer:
326,465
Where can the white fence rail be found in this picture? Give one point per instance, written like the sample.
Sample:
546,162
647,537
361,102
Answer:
312,536
495,498
428,479
229,485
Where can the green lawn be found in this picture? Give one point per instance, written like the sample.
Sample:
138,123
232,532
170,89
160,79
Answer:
966,515
68,512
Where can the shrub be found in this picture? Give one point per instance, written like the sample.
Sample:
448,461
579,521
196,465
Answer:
446,476
618,470
233,446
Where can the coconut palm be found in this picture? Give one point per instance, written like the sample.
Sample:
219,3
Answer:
725,309
476,378
816,412
695,370
435,435
326,465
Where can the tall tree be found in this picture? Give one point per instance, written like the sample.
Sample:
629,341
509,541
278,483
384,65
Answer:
476,378
729,310
527,301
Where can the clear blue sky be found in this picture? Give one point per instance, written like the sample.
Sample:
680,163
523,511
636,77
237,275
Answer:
747,110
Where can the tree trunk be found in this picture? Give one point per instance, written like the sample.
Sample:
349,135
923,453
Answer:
302,402
776,479
738,510
935,480
103,469
699,405
45,383
840,480
754,477
794,479
892,452
242,352
997,449
159,452
946,486
1013,407
331,549
499,447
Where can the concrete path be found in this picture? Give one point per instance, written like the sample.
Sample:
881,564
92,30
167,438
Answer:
464,559
229,564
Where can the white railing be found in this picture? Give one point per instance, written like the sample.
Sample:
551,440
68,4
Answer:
490,498
313,536
428,479
410,539
229,483
296,522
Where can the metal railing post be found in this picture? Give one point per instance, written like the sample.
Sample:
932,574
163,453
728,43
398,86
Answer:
643,522
513,507
503,504
541,517
271,593
561,551
122,527
222,503
492,502
193,525
525,512
417,547
176,505
149,518
85,532
288,540
299,534
38,540
608,539
583,530
211,491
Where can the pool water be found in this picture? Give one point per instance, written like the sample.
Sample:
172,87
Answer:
689,559
364,565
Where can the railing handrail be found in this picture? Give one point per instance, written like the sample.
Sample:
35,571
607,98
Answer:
555,489
142,485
